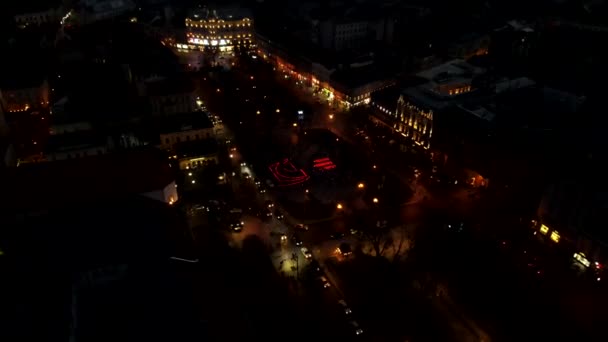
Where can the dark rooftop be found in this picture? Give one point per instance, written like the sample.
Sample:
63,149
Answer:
356,77
49,185
196,148
170,86
74,141
184,122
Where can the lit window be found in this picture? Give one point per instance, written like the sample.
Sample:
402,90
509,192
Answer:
544,229
555,236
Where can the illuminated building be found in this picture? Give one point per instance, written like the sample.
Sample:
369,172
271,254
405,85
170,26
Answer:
352,84
414,122
24,94
222,29
196,154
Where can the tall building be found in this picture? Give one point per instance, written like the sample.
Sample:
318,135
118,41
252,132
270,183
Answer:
220,29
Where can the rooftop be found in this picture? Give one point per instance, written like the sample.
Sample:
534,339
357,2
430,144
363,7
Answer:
74,141
456,68
184,122
223,13
196,148
360,76
57,184
170,86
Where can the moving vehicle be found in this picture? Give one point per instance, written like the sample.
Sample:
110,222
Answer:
301,226
347,310
356,327
278,215
269,204
324,282
297,240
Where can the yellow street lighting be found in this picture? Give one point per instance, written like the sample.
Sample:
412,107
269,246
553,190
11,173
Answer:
339,206
257,112
278,110
331,116
306,191
231,155
295,124
360,185
190,174
375,200
193,181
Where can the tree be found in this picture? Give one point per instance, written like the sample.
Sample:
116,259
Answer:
386,238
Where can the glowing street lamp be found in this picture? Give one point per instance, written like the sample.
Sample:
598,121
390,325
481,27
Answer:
193,181
278,110
231,155
306,190
257,112
339,206
295,124
360,185
375,200
190,174
331,116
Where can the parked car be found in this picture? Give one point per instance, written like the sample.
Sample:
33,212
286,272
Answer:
337,235
297,240
345,249
279,215
307,254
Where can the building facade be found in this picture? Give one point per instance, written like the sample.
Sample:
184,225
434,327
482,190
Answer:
414,122
47,16
26,97
221,30
184,128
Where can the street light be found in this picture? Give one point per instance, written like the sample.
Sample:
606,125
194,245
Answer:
193,181
339,206
375,200
190,174
231,155
331,116
257,112
278,110
295,124
306,190
360,185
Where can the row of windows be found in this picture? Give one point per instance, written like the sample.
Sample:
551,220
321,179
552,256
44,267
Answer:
33,18
216,26
188,138
77,155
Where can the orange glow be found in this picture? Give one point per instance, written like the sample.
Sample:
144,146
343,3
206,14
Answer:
339,206
360,185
